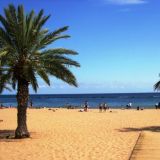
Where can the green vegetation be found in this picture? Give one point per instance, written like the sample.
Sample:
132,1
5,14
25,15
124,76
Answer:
24,55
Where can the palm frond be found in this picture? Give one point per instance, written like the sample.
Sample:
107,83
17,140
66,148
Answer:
60,30
157,86
5,79
30,76
59,51
23,39
61,72
43,75
61,59
13,13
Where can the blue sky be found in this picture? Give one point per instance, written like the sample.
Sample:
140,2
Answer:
118,43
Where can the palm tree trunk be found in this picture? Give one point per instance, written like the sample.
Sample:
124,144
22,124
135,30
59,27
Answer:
22,100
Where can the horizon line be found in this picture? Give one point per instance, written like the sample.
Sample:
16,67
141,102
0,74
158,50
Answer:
84,93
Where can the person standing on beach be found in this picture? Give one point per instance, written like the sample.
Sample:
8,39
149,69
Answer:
100,107
130,105
156,105
104,107
86,106
31,103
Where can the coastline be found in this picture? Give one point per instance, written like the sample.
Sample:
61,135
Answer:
69,134
112,99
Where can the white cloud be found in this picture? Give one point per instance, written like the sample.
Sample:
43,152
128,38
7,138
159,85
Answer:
43,86
126,2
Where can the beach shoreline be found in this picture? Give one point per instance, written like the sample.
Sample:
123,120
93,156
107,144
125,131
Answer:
69,134
114,100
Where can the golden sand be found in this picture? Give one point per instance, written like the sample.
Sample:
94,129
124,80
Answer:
147,146
72,135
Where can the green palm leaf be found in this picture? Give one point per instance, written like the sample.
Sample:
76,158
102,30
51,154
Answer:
157,86
22,55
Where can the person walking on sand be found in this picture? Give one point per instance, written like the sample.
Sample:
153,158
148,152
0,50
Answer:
129,106
31,103
104,107
86,106
156,105
100,107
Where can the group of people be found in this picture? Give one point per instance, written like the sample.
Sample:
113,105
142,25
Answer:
86,106
157,105
2,106
129,106
103,107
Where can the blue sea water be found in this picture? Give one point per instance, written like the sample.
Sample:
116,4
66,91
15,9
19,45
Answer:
116,100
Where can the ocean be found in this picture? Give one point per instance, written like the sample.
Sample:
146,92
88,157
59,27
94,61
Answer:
117,100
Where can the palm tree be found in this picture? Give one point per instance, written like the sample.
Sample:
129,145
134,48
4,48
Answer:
157,85
24,55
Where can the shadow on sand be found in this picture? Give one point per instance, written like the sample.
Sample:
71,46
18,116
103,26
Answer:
149,128
7,135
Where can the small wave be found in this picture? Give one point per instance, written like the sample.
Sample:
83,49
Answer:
156,96
121,97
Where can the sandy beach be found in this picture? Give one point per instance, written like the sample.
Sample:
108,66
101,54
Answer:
72,135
